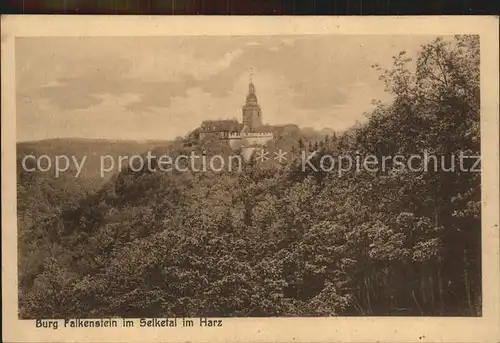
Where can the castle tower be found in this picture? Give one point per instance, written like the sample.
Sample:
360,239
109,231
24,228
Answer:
252,114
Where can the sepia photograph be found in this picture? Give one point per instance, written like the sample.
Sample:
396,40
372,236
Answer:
246,175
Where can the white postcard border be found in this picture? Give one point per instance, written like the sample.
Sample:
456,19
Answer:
335,329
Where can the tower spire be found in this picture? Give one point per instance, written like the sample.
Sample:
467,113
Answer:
251,87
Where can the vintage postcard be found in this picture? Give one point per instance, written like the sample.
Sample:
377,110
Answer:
250,179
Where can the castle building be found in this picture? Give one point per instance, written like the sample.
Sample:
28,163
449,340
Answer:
219,128
247,135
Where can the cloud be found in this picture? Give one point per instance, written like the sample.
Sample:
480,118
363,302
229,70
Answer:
175,66
161,86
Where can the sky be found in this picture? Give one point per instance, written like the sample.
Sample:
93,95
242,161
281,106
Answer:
163,87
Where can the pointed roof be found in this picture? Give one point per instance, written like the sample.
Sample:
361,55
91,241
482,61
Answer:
251,97
230,125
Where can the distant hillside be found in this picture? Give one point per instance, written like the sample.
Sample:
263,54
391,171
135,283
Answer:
314,133
43,192
288,136
92,148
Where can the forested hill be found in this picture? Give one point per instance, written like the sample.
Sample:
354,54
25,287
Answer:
277,240
43,193
93,149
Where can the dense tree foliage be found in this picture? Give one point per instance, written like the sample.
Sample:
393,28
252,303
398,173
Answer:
278,240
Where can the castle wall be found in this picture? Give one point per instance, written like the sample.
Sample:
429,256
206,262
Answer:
259,139
249,139
235,142
219,134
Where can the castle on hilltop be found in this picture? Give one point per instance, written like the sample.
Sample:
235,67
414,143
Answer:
249,134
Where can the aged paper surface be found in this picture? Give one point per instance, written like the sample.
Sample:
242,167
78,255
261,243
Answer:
263,179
